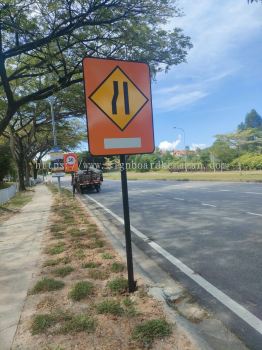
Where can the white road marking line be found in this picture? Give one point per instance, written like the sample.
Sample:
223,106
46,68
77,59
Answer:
209,205
179,199
248,212
253,192
223,298
224,190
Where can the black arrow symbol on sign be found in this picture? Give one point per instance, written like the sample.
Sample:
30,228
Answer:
115,96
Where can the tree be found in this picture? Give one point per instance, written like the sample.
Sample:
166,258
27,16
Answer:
223,152
252,120
5,159
41,54
30,132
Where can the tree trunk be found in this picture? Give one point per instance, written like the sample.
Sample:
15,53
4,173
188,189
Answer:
16,147
21,174
27,173
35,170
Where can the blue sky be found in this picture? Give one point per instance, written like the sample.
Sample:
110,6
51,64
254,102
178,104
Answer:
222,79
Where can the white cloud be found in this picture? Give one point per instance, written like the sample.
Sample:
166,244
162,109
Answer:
182,99
169,146
219,30
195,146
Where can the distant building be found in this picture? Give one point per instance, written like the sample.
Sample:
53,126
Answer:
183,153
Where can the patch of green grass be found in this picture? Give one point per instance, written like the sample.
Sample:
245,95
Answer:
146,332
18,201
56,249
47,285
63,271
110,307
5,185
99,243
75,232
252,175
51,262
117,267
78,323
107,256
41,323
118,285
80,254
81,290
130,310
96,274
90,265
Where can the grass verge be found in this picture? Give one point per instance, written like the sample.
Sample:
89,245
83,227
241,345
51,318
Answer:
15,204
245,176
81,290
90,308
47,285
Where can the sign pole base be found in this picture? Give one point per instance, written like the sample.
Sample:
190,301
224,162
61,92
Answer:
129,257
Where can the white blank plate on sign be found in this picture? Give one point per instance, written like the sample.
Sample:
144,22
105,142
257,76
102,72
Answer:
123,142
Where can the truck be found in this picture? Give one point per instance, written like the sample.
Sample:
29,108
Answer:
90,179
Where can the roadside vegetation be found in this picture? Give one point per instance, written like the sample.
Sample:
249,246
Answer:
232,176
80,298
15,204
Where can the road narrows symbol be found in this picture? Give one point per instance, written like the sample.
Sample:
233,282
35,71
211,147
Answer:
119,98
114,99
125,88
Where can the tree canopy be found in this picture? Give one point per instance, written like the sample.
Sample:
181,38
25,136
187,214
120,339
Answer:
43,42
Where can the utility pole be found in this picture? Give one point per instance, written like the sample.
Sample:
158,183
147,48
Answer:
51,102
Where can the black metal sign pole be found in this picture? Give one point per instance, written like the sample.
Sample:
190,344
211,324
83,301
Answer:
129,257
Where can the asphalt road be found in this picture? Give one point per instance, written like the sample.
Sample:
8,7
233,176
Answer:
213,228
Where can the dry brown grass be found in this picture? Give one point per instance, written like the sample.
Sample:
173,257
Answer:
88,319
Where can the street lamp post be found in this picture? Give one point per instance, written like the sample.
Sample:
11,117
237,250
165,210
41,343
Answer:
51,101
184,139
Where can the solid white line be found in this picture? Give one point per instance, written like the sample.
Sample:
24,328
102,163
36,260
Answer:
209,205
248,212
236,308
179,199
224,190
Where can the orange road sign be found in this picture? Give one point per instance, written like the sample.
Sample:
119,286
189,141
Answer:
119,107
70,162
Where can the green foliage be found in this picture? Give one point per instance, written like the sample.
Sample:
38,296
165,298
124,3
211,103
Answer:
252,120
56,249
110,307
41,323
118,285
124,29
90,265
223,152
47,285
107,256
248,161
146,332
81,290
117,267
6,164
78,323
96,274
63,271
